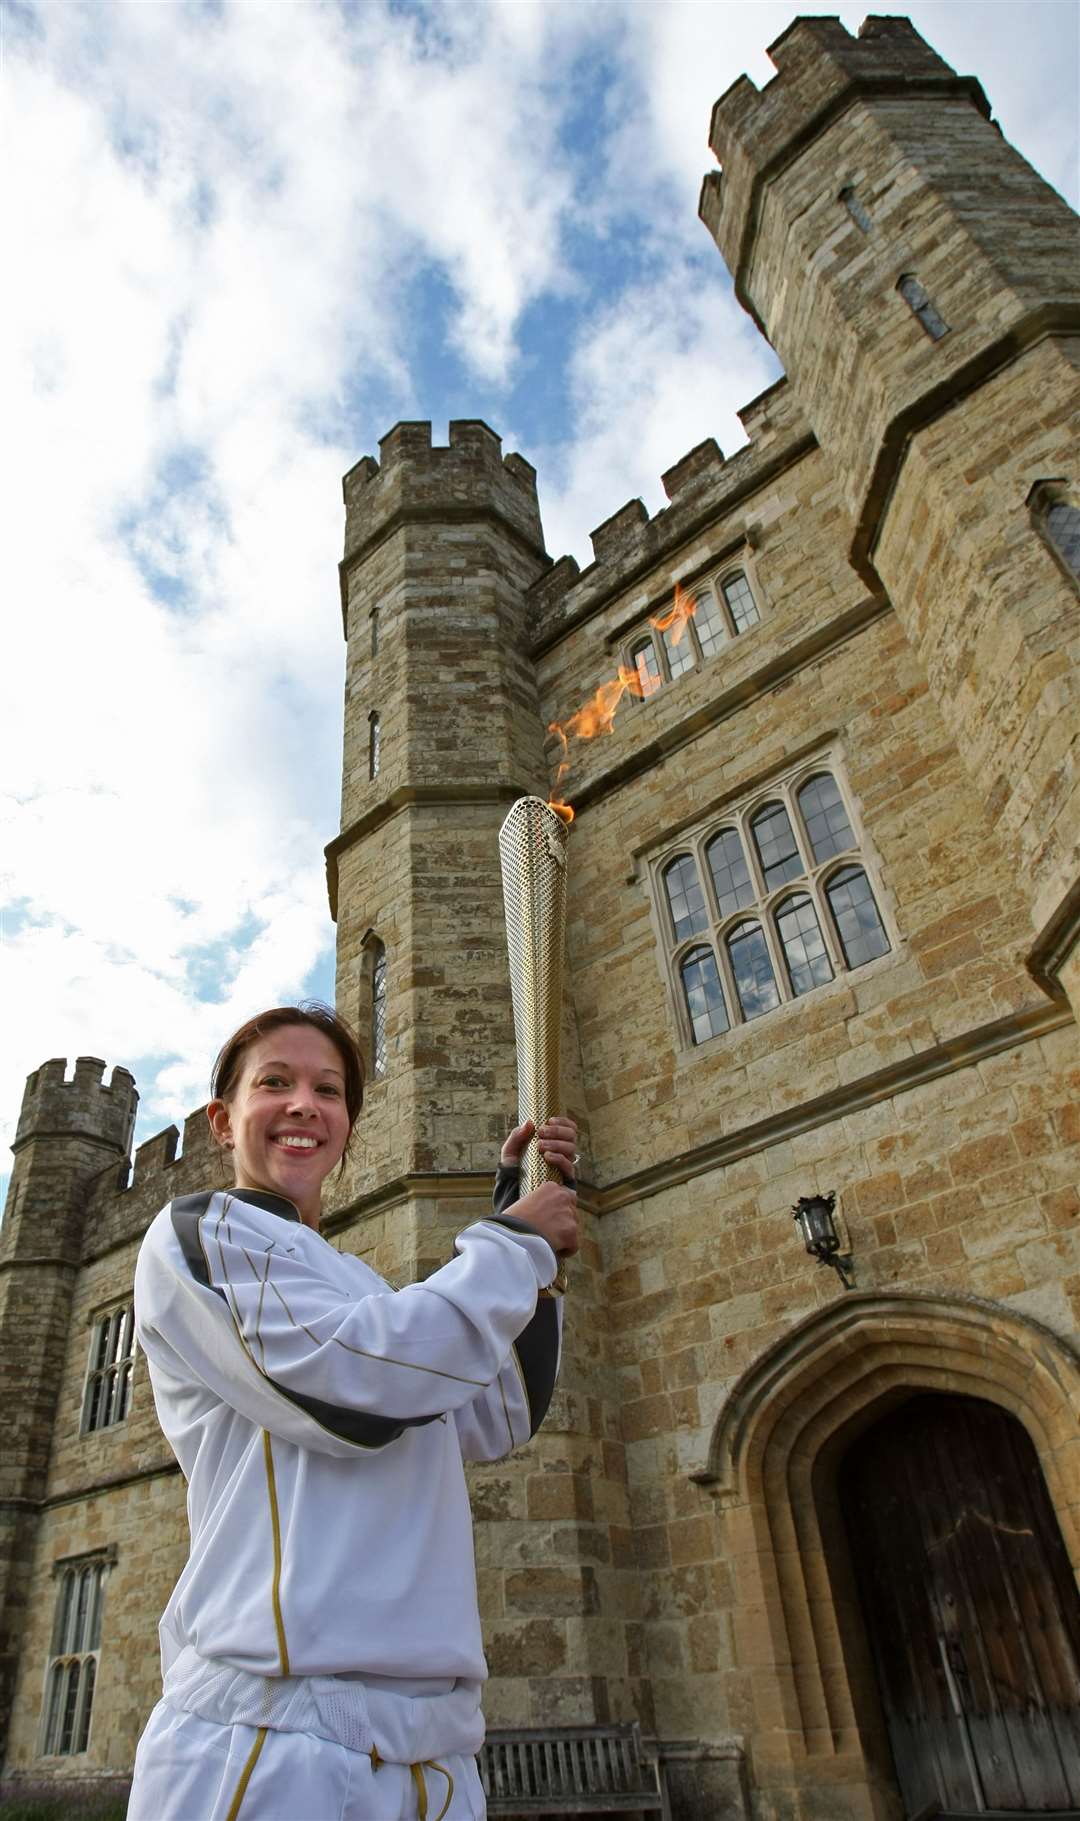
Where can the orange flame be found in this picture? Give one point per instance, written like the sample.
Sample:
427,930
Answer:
597,715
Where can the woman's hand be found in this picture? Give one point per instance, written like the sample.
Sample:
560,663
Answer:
557,1140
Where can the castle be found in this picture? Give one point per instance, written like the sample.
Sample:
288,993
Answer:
824,910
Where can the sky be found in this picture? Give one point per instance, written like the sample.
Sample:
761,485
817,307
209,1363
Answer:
241,241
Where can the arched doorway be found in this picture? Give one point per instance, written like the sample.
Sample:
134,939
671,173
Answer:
971,1609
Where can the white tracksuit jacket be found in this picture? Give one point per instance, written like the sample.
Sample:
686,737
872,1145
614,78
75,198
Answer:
321,1419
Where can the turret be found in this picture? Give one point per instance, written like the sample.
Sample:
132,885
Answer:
68,1133
921,284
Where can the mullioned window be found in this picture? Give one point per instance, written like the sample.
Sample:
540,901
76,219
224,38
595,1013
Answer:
726,605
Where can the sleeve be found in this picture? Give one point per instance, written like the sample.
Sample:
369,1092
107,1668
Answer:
509,1412
243,1304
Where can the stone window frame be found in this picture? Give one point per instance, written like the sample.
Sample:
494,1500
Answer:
812,882
739,563
1041,500
71,1668
110,1368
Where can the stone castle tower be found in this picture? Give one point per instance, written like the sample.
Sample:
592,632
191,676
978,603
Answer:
822,940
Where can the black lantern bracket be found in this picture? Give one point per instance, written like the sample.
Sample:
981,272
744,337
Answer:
813,1214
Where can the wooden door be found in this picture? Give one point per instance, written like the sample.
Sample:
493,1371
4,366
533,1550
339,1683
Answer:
971,1607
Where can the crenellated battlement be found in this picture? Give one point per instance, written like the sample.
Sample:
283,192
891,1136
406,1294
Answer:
467,477
700,486
821,70
84,1107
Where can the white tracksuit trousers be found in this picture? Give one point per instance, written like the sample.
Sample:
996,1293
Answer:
225,1745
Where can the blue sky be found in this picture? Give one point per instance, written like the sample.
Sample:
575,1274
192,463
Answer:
244,241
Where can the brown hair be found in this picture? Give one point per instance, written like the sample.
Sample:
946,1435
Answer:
226,1070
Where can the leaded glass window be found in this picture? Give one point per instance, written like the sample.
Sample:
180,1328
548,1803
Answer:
1062,523
859,213
378,1013
680,656
704,995
730,874
918,302
805,954
686,901
776,845
107,1396
755,981
709,623
647,664
823,813
72,1667
740,600
858,922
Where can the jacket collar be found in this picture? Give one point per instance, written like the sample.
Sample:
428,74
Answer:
271,1204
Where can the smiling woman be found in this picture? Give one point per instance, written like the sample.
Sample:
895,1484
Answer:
321,1651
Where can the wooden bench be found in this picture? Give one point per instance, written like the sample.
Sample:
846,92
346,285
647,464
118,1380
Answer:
571,1770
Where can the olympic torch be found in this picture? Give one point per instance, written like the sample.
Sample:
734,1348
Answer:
532,849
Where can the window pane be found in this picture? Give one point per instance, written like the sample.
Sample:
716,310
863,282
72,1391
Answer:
1063,530
685,897
731,875
858,924
93,1630
127,1345
780,858
123,1391
71,1702
704,996
378,1013
86,1704
709,623
647,664
741,602
85,1586
374,746
804,948
680,657
755,981
101,1344
53,1698
827,826
116,1335
63,1614
93,1401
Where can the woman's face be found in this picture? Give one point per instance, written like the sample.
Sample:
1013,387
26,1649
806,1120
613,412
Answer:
286,1122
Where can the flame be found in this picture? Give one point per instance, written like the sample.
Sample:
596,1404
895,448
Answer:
597,715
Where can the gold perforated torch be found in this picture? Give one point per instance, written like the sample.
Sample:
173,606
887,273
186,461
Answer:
532,848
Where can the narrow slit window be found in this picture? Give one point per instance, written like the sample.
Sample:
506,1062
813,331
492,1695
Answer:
704,995
858,921
858,211
378,1013
755,982
374,632
730,874
644,660
827,827
918,302
777,848
805,954
709,623
686,901
374,746
740,599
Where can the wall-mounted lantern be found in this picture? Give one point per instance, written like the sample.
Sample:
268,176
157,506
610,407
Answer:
814,1217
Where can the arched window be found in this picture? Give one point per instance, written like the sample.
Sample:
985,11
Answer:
740,599
709,623
755,982
858,922
72,1669
730,873
378,1012
704,995
374,745
777,848
805,954
827,827
686,901
1061,524
915,296
860,215
644,660
107,1397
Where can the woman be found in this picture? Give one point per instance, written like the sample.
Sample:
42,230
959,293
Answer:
321,1651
